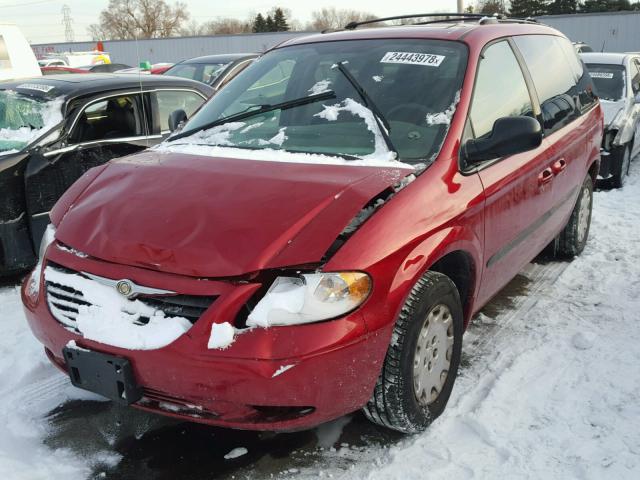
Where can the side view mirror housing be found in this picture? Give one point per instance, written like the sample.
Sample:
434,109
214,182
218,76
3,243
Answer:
637,99
176,119
509,135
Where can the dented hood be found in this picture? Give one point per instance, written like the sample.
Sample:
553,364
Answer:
217,217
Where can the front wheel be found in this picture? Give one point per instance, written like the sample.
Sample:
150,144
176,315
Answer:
422,360
573,238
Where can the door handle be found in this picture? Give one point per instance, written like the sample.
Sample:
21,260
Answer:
545,176
559,166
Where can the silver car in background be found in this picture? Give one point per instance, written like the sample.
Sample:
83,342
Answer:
617,79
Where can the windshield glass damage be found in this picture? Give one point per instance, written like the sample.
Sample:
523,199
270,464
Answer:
381,99
23,119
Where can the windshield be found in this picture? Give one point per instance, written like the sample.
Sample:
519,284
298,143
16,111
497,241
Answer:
608,79
412,86
24,119
201,72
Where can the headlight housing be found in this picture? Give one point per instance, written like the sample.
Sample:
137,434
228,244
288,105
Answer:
34,280
310,298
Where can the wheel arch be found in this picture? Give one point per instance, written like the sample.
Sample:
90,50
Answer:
594,168
455,252
460,268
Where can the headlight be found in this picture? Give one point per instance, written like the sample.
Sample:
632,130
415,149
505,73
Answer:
34,281
310,298
47,239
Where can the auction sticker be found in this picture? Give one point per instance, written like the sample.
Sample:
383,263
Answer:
411,58
36,86
601,75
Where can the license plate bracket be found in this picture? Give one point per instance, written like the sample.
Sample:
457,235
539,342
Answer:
107,375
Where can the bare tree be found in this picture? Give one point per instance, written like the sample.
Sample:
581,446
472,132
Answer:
126,19
192,29
330,18
225,26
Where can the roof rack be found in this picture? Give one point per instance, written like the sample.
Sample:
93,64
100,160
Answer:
482,19
459,16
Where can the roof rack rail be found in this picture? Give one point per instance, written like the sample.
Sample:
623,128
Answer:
482,19
458,16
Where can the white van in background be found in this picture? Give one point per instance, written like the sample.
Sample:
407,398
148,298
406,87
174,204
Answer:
75,59
17,59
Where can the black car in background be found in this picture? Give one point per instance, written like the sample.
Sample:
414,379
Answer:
55,128
105,67
214,70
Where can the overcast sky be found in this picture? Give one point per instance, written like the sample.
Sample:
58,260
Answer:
41,20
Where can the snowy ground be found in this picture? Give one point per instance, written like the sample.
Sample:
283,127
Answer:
549,388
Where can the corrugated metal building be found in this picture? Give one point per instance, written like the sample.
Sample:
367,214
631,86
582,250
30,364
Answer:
610,32
173,49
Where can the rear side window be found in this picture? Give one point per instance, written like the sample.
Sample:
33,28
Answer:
555,76
500,90
111,119
585,90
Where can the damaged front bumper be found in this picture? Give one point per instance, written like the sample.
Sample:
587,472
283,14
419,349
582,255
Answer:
278,378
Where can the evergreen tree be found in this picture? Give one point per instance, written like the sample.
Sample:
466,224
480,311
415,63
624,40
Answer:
280,21
558,7
270,25
259,24
590,6
528,8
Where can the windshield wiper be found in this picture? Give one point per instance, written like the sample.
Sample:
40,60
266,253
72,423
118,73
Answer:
383,124
257,111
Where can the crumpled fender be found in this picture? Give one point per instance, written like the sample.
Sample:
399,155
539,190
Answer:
620,116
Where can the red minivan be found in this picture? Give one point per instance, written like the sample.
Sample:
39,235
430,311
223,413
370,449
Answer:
316,238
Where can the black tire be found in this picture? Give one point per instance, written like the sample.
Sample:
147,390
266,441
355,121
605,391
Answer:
622,164
394,403
573,238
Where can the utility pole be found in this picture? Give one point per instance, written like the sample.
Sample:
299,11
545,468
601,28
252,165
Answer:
460,6
67,21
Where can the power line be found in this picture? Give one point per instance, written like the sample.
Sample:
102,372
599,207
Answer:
67,21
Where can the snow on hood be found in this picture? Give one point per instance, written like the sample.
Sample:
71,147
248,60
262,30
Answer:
217,217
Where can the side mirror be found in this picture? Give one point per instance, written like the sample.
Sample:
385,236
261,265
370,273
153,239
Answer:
637,99
510,135
176,119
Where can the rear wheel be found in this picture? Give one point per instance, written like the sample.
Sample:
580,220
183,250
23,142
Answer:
622,167
573,238
422,361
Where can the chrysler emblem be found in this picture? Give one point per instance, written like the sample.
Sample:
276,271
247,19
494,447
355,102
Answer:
128,288
124,288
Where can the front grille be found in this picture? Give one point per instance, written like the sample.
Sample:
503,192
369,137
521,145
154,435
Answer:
190,307
64,302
